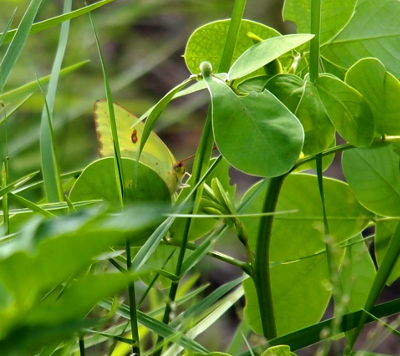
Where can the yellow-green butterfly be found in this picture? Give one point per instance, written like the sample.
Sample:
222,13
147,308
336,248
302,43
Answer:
155,154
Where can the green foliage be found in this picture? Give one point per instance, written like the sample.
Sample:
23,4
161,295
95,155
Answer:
111,257
207,42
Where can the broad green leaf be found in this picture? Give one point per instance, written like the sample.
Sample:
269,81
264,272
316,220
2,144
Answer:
384,232
45,253
298,233
296,237
255,133
299,295
347,109
264,52
373,174
371,32
97,181
77,298
357,273
334,15
302,99
75,301
28,340
382,92
207,42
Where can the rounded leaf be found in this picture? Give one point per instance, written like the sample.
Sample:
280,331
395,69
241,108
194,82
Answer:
256,133
97,181
208,41
373,174
347,109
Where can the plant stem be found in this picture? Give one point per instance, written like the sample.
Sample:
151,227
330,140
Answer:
315,42
82,351
132,303
233,31
261,277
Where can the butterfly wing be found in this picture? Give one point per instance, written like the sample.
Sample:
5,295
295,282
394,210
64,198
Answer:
155,154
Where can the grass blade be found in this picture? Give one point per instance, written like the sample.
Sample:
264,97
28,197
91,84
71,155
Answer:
51,174
15,48
44,25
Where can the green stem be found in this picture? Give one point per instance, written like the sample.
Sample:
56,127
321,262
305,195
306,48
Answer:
82,351
244,266
261,276
132,303
315,42
231,39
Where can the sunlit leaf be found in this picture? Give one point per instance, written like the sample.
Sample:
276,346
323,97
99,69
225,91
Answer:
334,15
264,52
207,42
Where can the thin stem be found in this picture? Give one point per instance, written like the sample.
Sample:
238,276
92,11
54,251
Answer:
233,31
132,303
244,266
82,351
315,42
262,279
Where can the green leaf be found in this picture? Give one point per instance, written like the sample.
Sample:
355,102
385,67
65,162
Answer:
357,273
45,253
302,99
298,267
281,350
77,299
256,83
207,42
371,32
347,109
384,232
290,283
255,133
264,52
373,175
334,15
298,232
381,90
97,181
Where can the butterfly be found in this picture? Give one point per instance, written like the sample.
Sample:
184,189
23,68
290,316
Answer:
155,154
